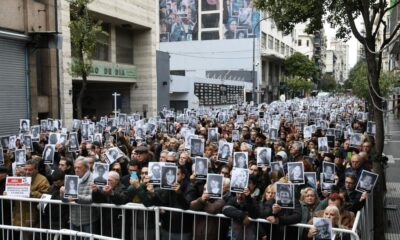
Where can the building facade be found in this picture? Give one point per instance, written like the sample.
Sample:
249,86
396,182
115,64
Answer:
211,46
29,74
126,64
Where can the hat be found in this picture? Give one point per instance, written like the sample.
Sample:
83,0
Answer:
283,155
141,149
3,169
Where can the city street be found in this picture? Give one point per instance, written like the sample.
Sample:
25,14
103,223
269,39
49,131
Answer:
392,145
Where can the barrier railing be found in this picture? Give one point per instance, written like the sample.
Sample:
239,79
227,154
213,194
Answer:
135,221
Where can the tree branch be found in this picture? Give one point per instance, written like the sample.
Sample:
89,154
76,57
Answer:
364,7
353,27
392,35
381,15
391,7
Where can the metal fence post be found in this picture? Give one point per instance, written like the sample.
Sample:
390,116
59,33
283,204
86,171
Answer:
157,222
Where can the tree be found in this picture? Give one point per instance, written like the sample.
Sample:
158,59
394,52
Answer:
298,64
84,32
298,85
327,83
341,14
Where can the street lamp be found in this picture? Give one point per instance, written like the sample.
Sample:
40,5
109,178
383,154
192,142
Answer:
255,100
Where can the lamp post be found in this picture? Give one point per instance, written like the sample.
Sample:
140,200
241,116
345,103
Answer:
254,96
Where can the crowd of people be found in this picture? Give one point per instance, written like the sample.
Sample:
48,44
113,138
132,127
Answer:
282,177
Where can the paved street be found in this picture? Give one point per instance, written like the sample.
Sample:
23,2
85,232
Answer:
392,146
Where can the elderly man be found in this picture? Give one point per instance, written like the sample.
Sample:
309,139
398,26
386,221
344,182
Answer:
83,218
114,192
356,166
23,214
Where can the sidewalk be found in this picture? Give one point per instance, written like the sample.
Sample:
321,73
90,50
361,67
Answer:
392,208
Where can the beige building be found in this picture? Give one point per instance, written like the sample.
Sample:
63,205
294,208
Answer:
126,65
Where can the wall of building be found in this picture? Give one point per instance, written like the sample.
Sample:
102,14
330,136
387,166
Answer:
163,80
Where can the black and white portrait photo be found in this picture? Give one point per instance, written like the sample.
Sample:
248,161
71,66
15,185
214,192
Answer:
112,154
139,133
371,128
201,167
24,125
235,136
71,186
355,139
85,130
121,119
50,124
12,142
5,142
330,132
240,160
224,151
273,133
43,125
307,132
62,139
239,179
73,143
28,142
48,154
35,133
277,166
214,185
155,172
367,181
240,119
311,179
196,147
328,170
171,128
168,176
323,144
100,173
263,156
98,137
331,141
76,124
285,195
296,172
20,157
324,228
213,134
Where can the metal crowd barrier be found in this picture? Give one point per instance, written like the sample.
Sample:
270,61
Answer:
135,221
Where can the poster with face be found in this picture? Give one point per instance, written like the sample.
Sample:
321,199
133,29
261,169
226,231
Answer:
235,136
311,179
324,228
328,170
73,144
240,160
239,180
296,172
28,142
285,195
113,154
224,151
20,157
48,153
264,155
367,181
214,185
196,147
100,173
168,176
213,134
323,144
277,166
155,172
24,125
35,133
201,167
71,186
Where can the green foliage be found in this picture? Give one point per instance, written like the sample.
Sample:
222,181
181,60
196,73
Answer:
299,65
84,32
328,83
298,84
358,81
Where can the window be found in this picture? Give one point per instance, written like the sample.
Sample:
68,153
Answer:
308,43
299,42
287,50
101,51
124,42
276,45
263,40
283,48
270,42
210,35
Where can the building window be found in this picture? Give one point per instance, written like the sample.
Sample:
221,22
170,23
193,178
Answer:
308,43
276,45
101,51
124,42
270,42
287,50
214,35
299,42
263,40
283,48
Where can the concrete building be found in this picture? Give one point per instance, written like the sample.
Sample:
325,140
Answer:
341,66
211,49
127,64
28,62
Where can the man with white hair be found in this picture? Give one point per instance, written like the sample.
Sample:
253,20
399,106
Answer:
83,218
114,192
